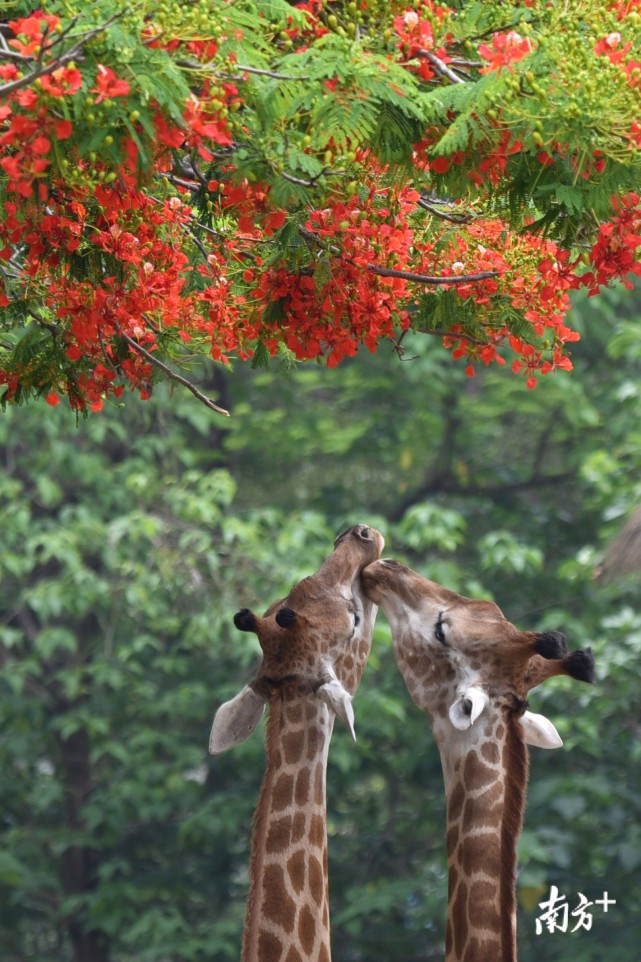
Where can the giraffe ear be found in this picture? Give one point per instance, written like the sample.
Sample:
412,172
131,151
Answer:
539,731
467,708
235,720
340,701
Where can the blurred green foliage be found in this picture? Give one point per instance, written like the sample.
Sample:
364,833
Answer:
129,541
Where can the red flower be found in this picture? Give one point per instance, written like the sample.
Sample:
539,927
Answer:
506,48
108,85
61,82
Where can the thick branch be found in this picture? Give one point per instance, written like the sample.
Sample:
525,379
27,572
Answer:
440,66
178,378
428,279
403,275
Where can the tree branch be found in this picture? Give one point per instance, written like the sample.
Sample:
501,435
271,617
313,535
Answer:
224,74
63,58
403,275
441,66
178,378
452,218
428,279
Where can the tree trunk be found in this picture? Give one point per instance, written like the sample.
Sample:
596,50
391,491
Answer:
79,862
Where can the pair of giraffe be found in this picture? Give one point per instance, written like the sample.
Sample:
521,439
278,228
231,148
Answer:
465,666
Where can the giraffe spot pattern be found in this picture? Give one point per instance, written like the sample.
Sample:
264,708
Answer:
298,829
476,773
490,752
279,835
283,792
307,929
481,950
277,904
316,879
323,955
455,805
475,809
314,737
452,838
302,787
482,908
295,713
294,955
269,946
459,917
296,871
316,834
319,784
293,744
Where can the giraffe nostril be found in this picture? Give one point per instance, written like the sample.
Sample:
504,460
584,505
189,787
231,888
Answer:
365,533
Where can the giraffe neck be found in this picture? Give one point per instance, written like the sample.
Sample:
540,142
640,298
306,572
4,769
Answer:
485,782
288,911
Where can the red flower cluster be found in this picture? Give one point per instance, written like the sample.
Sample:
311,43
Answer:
415,29
615,253
359,262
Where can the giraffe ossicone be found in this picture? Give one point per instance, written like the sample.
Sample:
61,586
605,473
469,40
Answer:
315,645
470,670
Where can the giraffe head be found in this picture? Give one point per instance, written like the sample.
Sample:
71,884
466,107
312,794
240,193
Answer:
314,641
462,659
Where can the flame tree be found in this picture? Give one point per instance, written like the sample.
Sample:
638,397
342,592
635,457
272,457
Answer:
252,178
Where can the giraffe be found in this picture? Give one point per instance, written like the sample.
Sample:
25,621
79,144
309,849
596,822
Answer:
469,670
315,644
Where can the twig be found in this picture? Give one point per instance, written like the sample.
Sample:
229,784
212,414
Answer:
309,235
452,218
258,71
179,182
428,279
313,180
459,62
440,65
178,378
399,350
455,335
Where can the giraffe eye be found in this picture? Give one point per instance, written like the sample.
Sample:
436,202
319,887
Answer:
439,634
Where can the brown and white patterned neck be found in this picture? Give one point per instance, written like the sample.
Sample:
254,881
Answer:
288,913
315,646
469,670
485,772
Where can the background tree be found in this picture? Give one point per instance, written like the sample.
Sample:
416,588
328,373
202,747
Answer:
128,545
254,178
